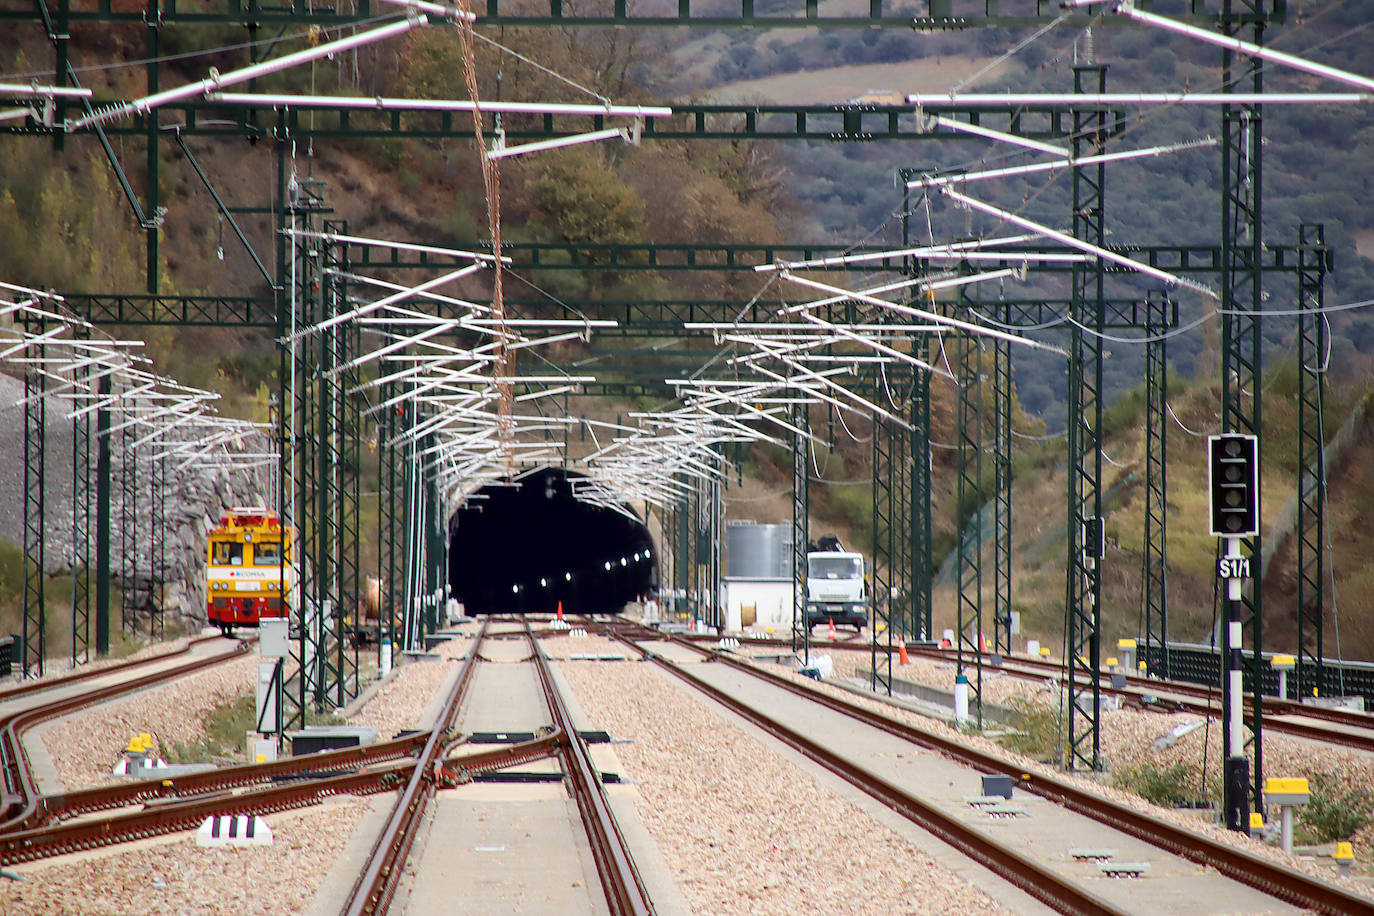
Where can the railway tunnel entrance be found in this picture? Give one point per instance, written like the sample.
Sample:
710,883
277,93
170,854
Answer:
523,547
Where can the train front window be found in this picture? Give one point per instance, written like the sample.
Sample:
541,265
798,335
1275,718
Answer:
226,553
267,553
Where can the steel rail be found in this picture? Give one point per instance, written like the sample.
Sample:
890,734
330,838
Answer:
624,887
1269,877
1138,689
83,674
74,836
376,886
1200,700
1040,882
172,814
104,798
20,799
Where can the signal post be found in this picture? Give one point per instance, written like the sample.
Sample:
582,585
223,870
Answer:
1233,471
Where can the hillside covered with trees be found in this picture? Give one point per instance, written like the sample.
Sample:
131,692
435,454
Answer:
65,224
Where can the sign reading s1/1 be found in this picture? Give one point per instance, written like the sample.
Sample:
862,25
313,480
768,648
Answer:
1233,568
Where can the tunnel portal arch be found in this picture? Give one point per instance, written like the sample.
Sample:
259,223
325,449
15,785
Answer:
525,546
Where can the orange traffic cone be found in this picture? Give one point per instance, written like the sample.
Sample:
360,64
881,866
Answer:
902,658
832,628
560,610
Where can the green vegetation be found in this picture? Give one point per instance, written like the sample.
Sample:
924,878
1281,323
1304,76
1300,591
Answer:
1035,730
1335,811
57,619
1168,786
224,728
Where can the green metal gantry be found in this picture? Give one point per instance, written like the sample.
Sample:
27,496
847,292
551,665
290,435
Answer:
1241,343
1083,592
1310,540
1154,568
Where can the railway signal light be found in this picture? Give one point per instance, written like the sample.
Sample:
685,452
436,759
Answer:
1233,467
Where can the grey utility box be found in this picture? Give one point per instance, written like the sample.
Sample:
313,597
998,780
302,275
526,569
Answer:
315,738
274,637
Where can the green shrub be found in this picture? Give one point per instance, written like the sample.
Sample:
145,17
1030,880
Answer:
1335,811
1168,786
225,727
1034,730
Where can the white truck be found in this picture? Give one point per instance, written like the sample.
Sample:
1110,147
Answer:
836,587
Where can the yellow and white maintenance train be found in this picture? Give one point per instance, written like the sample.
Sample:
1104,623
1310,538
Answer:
249,572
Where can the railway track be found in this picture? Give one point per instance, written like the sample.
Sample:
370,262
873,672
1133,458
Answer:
1347,728
52,683
20,800
1268,877
624,890
626,893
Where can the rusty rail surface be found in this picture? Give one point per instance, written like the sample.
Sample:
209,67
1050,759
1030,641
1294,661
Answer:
1041,882
1193,698
1205,701
19,796
222,779
83,674
1269,877
375,887
623,885
172,814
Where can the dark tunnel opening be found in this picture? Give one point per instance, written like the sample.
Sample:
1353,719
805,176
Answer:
525,547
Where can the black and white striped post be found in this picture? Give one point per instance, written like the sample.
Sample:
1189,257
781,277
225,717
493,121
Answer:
1233,465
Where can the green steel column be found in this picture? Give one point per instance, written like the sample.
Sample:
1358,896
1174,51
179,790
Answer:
1083,593
81,530
1241,345
801,632
1314,258
921,569
153,221
886,471
1001,491
60,37
1155,652
968,519
102,521
129,522
35,459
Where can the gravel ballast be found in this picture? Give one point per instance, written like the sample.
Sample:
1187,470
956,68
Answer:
744,829
177,876
85,747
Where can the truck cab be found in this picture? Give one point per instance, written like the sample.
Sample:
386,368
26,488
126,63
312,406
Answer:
836,589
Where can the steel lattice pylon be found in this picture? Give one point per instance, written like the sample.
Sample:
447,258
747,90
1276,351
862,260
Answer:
1083,590
129,521
341,460
157,547
1310,556
801,533
918,568
1241,350
969,506
319,502
390,517
35,440
1155,606
889,475
919,494
1001,493
81,530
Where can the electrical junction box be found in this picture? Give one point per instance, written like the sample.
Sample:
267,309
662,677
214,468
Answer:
274,637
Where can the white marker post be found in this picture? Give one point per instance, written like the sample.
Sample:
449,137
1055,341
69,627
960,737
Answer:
1233,470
